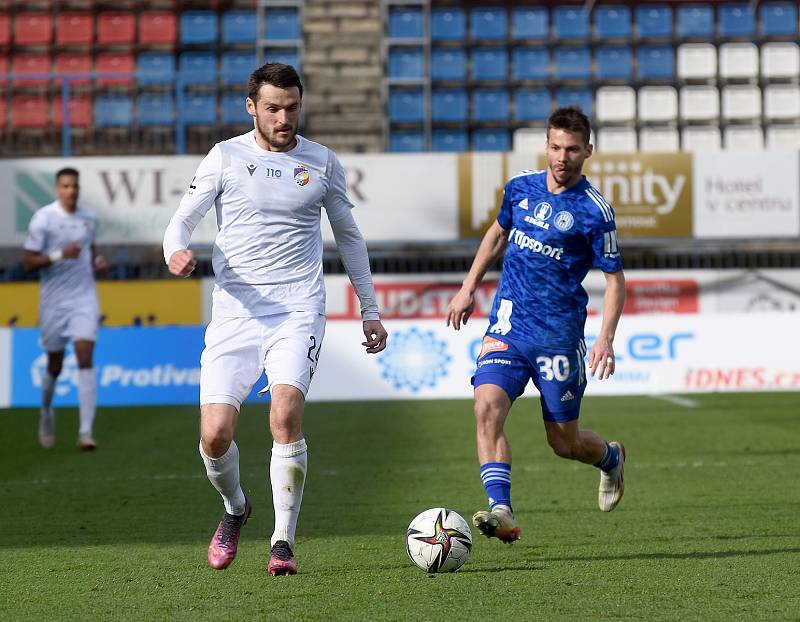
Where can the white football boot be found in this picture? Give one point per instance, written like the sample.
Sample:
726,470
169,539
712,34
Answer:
612,484
497,523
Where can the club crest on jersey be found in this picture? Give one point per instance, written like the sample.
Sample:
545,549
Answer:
492,345
541,213
564,221
301,175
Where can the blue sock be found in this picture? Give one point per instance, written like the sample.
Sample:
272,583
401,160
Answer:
610,459
496,477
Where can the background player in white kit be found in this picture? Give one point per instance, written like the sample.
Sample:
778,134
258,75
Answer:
60,243
268,186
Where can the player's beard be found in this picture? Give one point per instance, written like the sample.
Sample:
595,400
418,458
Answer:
271,138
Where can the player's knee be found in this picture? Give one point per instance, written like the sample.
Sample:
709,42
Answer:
216,442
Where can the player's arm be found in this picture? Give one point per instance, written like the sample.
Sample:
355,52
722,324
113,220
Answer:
601,358
203,191
492,247
33,258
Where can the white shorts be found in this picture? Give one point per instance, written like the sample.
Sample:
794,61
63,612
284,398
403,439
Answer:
285,346
58,326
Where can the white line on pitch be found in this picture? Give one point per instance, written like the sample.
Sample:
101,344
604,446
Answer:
677,399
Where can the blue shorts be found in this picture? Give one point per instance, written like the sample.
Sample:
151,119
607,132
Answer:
559,375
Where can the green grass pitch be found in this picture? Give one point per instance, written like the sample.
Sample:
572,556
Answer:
709,528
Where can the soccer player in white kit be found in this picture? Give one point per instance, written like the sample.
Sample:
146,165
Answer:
268,187
60,243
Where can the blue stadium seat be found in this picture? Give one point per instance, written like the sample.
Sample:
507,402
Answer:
287,56
155,68
613,62
578,96
491,140
113,110
449,140
778,19
448,25
654,21
239,27
490,105
532,104
529,23
488,24
155,109
570,23
489,63
612,22
449,105
572,63
232,109
282,25
199,27
406,105
405,141
199,109
448,64
530,63
656,62
198,68
696,20
737,20
406,62
405,22
236,67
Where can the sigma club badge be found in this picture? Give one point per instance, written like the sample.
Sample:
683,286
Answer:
301,175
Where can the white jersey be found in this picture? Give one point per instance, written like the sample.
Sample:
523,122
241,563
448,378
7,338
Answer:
267,255
70,283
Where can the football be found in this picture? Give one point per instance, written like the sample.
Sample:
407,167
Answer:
439,540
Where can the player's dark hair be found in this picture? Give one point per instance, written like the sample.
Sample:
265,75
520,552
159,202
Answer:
66,171
570,119
276,74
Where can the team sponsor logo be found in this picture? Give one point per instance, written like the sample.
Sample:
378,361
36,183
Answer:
492,345
494,362
541,213
564,221
524,241
301,175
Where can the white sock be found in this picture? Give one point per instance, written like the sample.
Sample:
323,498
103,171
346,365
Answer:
223,473
87,400
48,389
287,472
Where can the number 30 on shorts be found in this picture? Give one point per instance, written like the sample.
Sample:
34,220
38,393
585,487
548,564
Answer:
553,367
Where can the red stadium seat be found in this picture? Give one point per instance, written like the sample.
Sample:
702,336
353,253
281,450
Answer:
73,62
29,111
32,28
80,111
27,63
116,28
74,28
5,29
115,62
158,27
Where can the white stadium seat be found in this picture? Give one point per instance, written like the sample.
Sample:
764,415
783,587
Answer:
616,140
782,101
741,103
780,60
697,61
699,103
743,138
783,136
658,103
738,61
615,104
701,138
658,139
530,139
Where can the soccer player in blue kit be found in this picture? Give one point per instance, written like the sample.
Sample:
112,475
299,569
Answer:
553,226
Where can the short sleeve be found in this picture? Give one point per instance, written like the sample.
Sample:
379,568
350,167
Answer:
605,247
505,218
336,201
36,239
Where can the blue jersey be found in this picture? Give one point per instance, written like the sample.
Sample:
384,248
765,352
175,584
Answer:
553,241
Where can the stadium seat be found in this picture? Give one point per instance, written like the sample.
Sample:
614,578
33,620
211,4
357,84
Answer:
5,29
529,23
155,109
529,139
448,64
155,68
405,23
530,63
658,140
743,138
613,63
490,105
158,28
700,139
656,62
654,21
488,24
199,109
738,61
406,62
74,28
699,103
490,140
616,140
657,104
780,61
80,111
783,136
741,103
572,63
75,64
23,63
782,102
616,104
449,140
736,20
532,104
612,22
576,97
406,105
232,109
449,105
29,112
198,28
115,62
448,24
282,25
778,19
570,23
116,28
3,113
406,141
285,55
696,20
239,27
113,111
489,63
697,61
236,67
197,68
32,28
